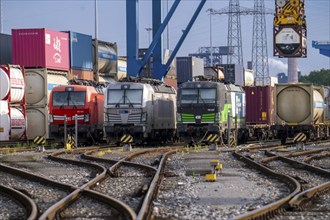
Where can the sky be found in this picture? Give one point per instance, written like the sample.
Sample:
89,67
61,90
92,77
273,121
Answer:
79,16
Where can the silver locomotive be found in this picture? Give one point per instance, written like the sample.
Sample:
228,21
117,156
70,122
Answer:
144,109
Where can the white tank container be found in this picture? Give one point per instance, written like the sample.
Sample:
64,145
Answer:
12,124
4,121
299,104
40,82
37,122
18,123
248,77
12,83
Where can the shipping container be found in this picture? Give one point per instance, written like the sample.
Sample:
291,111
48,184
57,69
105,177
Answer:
41,48
248,77
5,49
12,122
12,84
40,82
107,57
188,67
213,72
81,49
259,105
37,122
299,104
234,73
81,74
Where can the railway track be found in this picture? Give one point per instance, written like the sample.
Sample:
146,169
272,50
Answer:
313,181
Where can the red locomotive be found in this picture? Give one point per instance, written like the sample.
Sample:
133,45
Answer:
68,101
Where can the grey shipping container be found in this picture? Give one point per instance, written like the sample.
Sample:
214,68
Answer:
5,49
233,73
80,51
188,67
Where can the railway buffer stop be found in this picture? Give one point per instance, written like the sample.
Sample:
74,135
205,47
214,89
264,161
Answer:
216,167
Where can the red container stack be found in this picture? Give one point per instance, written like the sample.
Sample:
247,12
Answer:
40,48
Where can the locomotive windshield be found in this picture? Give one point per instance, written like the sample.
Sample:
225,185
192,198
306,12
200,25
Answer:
69,98
201,96
124,96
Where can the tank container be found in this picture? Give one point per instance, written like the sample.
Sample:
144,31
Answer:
37,118
259,105
248,77
12,82
107,57
299,104
80,51
12,122
188,67
5,49
40,82
41,48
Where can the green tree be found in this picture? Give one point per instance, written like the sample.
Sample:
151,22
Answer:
321,77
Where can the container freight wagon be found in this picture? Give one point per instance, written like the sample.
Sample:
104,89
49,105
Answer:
299,110
142,108
203,108
40,48
259,111
68,101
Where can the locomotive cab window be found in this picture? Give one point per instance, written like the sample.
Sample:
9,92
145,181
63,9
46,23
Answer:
124,96
189,96
69,98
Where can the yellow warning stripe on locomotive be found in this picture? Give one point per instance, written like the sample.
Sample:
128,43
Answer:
213,138
126,139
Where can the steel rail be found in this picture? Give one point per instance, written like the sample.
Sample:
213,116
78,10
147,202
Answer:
303,197
271,209
53,211
153,188
28,203
316,157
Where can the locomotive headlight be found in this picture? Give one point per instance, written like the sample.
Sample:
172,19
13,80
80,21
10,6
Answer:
86,118
178,116
144,116
217,116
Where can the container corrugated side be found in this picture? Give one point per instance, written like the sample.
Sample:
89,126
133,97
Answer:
184,69
40,48
259,104
81,51
5,49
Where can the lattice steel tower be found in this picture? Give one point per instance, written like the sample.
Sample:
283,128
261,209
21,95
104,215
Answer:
234,33
259,45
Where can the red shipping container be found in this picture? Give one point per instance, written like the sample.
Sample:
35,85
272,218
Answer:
40,48
259,105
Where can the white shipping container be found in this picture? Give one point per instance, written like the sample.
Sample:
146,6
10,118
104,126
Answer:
40,82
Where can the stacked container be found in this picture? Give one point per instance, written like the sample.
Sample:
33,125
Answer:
13,125
5,49
81,64
45,55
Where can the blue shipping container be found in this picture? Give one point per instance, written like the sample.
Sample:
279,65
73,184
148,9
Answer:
80,51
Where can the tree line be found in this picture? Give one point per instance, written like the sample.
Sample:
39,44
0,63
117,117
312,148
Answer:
317,77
